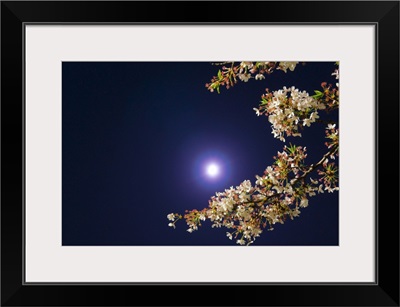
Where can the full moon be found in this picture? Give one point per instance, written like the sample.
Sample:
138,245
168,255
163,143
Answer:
212,170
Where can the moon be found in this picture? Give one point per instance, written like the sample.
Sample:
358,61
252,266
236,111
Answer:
212,170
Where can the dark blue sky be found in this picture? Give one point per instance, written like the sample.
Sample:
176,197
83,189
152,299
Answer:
135,140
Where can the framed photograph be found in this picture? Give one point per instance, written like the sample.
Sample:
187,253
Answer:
153,157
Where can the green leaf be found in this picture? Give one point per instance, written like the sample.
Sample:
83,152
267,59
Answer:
292,148
219,74
318,94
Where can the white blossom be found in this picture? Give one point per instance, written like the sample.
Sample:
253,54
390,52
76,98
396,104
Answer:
246,65
307,122
241,242
259,77
304,203
244,77
287,65
286,114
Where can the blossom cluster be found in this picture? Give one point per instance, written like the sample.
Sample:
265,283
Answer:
329,173
229,75
289,109
330,95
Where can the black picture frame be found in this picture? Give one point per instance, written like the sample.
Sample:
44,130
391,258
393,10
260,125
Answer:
383,14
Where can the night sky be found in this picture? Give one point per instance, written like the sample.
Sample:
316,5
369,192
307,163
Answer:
137,136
